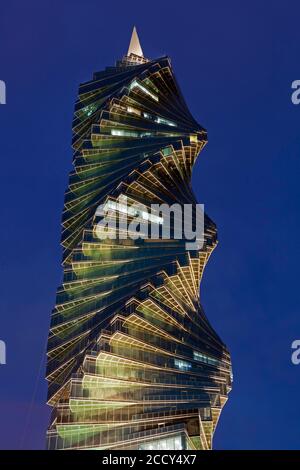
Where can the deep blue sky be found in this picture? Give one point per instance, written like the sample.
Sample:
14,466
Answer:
235,62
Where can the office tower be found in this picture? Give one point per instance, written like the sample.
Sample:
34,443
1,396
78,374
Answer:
133,362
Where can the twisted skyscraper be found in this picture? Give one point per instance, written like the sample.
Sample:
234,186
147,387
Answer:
133,362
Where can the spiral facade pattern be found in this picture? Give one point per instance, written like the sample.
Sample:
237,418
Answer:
133,362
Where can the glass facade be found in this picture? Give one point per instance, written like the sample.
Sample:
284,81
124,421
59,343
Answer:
133,362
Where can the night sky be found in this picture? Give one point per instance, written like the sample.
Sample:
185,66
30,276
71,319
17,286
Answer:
235,62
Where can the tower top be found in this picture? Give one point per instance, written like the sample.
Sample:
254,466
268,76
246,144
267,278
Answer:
135,46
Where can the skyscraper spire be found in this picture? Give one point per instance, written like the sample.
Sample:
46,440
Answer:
135,46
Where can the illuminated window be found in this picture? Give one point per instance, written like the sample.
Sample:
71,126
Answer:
182,365
124,133
131,210
203,358
167,151
130,133
169,443
135,84
164,121
133,110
